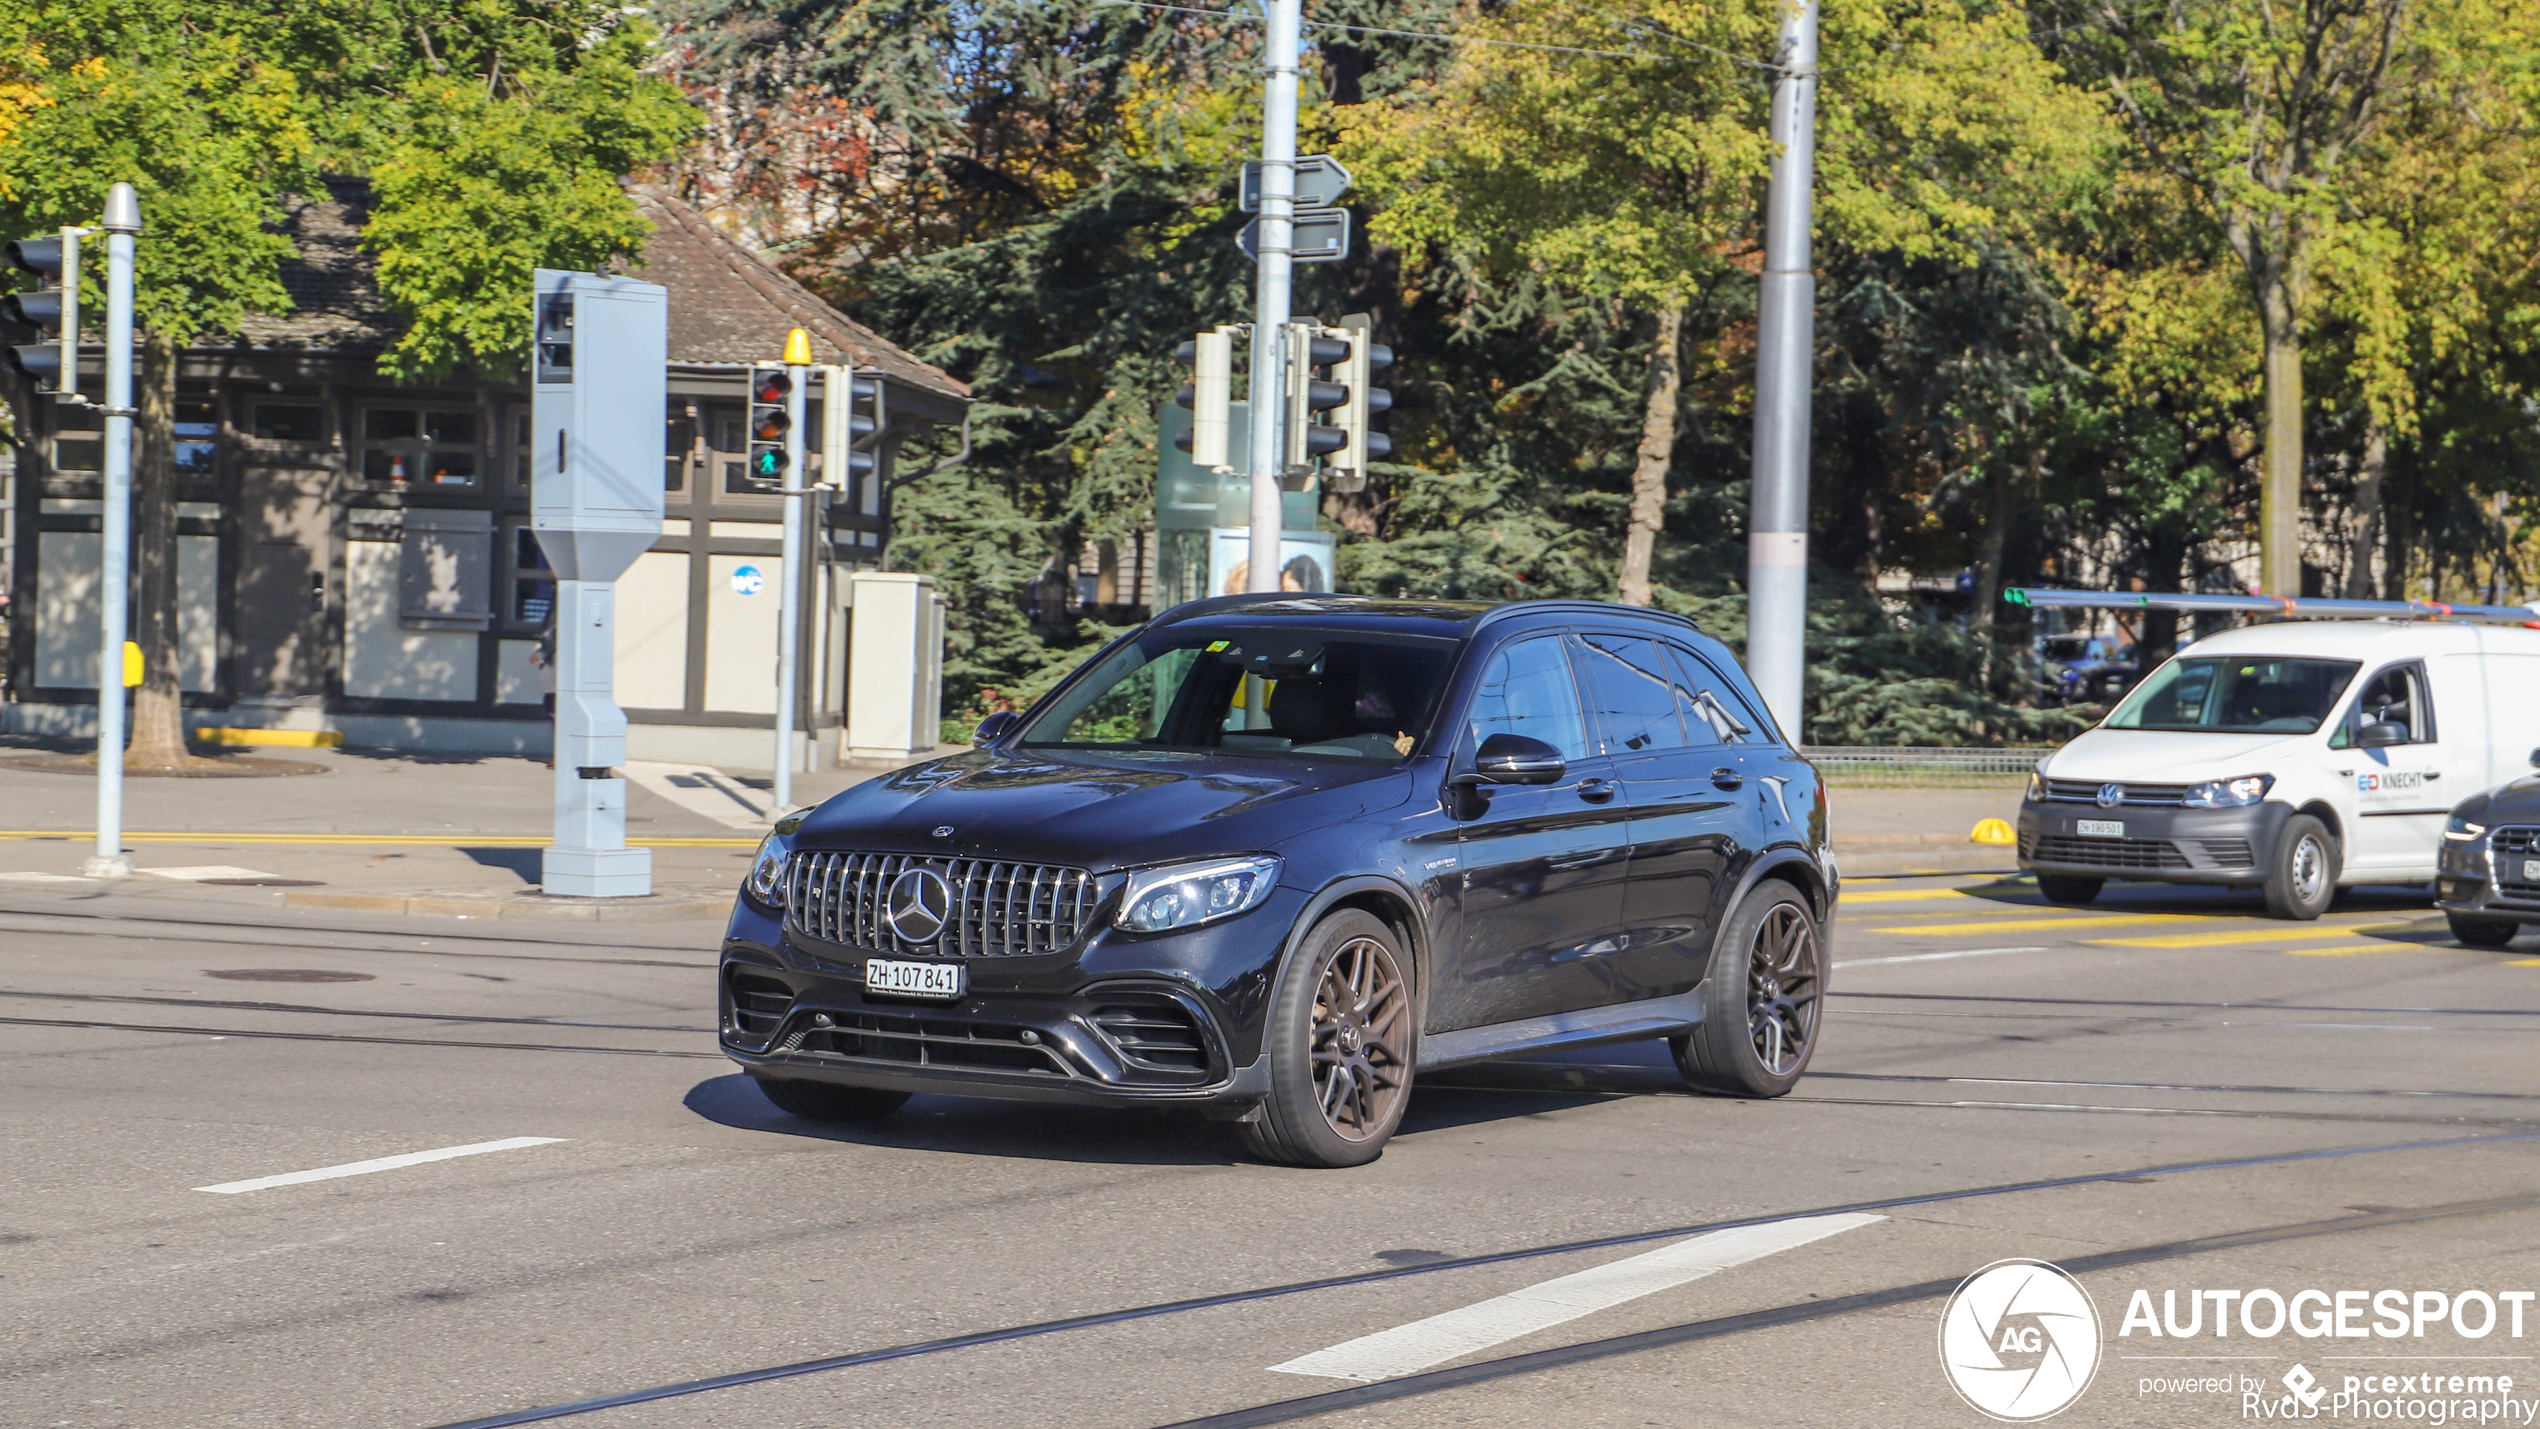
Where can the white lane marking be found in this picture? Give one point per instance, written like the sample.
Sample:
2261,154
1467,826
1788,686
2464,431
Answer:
1406,1349
1936,957
202,873
44,878
383,1163
704,792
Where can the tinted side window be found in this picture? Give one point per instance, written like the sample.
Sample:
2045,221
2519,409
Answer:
1527,690
1632,693
1712,711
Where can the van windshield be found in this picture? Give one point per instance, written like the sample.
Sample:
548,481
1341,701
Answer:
1279,691
2260,694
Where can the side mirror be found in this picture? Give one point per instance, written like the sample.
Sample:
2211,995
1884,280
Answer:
1515,759
995,727
2535,759
2381,734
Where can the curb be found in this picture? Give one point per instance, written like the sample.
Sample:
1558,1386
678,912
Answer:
655,908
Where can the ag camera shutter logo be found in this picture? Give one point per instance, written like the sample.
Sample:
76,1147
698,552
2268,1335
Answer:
2019,1341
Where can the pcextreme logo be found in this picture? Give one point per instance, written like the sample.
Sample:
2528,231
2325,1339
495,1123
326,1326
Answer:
2019,1341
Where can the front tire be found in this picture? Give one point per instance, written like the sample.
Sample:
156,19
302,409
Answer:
827,1101
2069,887
1341,1043
1766,985
2481,932
2302,880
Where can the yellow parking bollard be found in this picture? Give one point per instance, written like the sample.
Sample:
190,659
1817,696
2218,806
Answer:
1993,831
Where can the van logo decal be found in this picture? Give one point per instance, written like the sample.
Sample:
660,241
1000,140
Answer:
2111,795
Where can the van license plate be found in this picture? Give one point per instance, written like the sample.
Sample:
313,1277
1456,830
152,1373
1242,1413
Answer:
888,978
2099,828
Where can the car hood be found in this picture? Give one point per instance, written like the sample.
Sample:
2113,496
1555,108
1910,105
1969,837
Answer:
2516,801
1097,810
2146,756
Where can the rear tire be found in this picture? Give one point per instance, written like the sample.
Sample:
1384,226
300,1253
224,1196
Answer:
1761,999
2069,887
2302,879
1341,1040
2482,932
827,1101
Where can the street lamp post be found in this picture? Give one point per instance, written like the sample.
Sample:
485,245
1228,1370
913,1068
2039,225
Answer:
1785,332
123,220
1271,294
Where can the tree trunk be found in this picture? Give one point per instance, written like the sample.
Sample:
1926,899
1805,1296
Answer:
2367,525
2280,497
1657,448
2156,639
158,707
1991,541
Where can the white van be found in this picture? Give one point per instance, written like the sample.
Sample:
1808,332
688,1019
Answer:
2292,757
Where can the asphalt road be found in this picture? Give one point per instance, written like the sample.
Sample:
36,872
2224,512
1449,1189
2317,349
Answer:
2168,1091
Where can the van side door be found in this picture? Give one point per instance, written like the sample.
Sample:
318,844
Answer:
2401,788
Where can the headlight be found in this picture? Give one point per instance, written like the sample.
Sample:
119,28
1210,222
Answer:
2036,787
2230,793
2462,829
1186,895
766,881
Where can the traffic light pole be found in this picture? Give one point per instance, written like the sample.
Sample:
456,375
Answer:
123,220
1271,296
789,598
1777,523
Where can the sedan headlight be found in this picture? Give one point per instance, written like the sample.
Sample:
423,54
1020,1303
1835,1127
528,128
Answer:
766,880
1185,895
2230,793
2461,830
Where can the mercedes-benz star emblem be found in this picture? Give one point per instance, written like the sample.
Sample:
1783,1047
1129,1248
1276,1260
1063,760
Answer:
943,831
2111,795
917,904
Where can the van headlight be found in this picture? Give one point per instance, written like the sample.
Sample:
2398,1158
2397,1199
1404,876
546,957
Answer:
1185,895
2230,793
766,879
2461,830
2036,787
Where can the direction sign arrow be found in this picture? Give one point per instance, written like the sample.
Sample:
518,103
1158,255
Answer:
1320,182
1319,235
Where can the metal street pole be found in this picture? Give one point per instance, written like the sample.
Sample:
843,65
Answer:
1270,304
1777,523
123,220
789,599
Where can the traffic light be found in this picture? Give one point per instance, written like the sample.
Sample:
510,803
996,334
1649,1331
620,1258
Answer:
1210,396
770,385
850,421
1363,444
1311,348
53,308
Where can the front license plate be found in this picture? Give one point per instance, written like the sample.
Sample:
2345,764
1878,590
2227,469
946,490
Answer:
897,979
2099,828
2531,870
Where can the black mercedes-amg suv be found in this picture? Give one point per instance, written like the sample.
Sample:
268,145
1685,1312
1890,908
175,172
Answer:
1274,855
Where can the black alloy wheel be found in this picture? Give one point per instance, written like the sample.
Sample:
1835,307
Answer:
1761,1003
827,1101
2302,877
2482,932
1340,1042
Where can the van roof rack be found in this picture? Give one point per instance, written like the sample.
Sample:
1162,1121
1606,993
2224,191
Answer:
2285,607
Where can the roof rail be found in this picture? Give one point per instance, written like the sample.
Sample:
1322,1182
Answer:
2286,607
1509,609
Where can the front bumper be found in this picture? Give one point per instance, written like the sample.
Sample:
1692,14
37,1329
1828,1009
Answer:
2470,877
2169,845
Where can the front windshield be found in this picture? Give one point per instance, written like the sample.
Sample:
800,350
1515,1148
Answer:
1259,690
2263,694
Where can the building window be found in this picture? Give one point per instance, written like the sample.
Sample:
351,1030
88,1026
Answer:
197,439
79,441
290,422
679,442
533,583
404,446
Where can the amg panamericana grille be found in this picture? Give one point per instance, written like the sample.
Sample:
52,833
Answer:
999,909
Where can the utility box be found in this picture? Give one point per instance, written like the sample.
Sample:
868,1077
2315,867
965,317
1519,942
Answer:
895,666
597,408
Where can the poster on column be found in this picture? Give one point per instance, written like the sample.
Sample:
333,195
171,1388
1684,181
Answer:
1305,561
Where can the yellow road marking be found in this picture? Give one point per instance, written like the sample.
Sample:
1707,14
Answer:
2208,940
2523,963
2362,949
1917,895
2000,925
359,840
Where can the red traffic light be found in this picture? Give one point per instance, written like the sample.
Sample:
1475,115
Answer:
771,387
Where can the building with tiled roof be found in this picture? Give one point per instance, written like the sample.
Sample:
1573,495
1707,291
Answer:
310,483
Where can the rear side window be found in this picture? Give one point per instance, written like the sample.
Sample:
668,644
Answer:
1713,713
1526,689
1632,691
